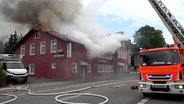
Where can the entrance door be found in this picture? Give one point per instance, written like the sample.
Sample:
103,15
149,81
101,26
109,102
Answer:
83,72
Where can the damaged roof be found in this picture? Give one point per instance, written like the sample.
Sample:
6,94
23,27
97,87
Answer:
50,32
46,30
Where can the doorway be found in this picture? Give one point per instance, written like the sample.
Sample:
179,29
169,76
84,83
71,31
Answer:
83,71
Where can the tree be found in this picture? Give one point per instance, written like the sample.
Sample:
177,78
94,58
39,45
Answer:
1,46
148,37
12,41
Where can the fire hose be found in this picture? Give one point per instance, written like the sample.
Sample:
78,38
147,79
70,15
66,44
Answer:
61,94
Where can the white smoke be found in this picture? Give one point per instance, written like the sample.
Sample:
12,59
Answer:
97,41
66,17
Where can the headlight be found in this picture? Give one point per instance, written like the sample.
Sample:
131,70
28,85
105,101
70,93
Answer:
142,85
179,86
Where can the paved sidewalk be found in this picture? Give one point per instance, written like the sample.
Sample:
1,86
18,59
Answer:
41,82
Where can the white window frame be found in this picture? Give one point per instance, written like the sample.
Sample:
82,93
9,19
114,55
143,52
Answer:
23,50
99,68
120,53
53,46
88,54
31,69
69,49
74,68
43,47
32,49
89,68
125,55
103,68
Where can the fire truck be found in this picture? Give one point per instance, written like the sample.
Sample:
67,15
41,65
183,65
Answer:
161,70
13,67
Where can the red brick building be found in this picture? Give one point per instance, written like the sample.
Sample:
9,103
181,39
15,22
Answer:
48,54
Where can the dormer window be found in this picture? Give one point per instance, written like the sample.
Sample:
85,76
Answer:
37,35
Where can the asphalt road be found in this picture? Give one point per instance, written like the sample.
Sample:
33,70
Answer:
114,91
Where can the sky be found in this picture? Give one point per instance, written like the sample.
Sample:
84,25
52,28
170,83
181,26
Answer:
117,15
130,15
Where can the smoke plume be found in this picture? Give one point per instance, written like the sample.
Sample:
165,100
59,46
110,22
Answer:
44,12
66,17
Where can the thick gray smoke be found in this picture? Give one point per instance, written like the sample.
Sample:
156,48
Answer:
66,17
43,12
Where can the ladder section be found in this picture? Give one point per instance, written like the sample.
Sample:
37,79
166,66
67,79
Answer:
169,21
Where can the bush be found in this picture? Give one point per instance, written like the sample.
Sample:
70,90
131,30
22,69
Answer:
3,77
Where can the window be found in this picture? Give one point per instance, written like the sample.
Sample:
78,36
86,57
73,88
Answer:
37,35
74,68
159,58
14,65
182,56
125,55
124,44
69,49
23,50
103,68
53,46
43,47
32,49
87,53
53,65
111,68
31,69
99,68
120,54
89,68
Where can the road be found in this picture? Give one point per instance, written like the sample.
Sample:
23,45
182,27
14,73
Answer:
112,91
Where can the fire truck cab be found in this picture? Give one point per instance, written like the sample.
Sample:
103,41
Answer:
161,70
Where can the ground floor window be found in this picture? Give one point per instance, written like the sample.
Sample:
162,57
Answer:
89,68
74,68
31,69
105,68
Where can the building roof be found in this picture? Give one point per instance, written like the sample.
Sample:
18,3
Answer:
50,32
46,30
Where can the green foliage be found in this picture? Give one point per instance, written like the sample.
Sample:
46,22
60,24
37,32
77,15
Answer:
1,46
148,37
134,48
9,45
3,78
2,75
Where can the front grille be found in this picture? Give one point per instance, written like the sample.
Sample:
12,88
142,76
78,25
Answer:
159,77
167,89
19,74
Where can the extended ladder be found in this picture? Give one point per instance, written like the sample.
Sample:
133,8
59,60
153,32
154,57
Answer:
169,21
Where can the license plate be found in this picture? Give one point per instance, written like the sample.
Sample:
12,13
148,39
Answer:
159,86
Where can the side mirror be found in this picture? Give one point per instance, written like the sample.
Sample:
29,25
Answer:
134,60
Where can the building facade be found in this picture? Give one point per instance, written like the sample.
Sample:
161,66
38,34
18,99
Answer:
48,54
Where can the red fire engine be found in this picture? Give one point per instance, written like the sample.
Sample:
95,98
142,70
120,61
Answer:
161,70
